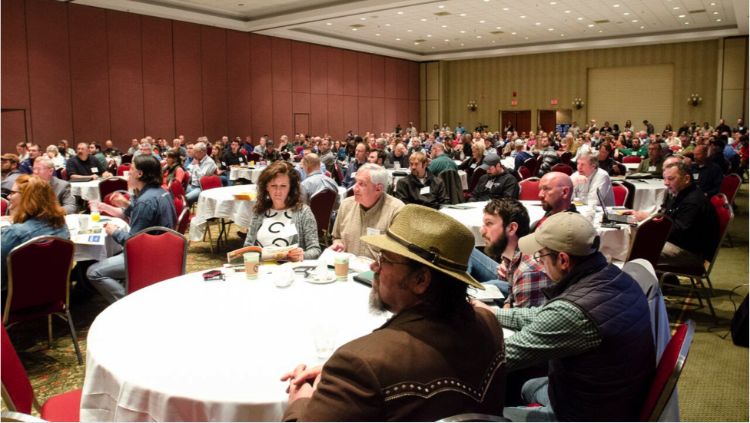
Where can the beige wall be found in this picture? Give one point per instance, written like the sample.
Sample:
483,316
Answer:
541,77
733,83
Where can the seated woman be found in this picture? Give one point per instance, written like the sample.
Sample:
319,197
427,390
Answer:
477,156
173,170
34,211
280,217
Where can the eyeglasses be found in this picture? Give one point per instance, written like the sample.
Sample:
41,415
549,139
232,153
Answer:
538,257
380,259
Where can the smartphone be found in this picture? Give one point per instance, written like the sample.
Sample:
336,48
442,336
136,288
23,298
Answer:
213,275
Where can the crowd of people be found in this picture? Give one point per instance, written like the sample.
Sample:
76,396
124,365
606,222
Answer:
581,320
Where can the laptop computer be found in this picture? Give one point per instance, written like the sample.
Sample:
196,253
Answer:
612,219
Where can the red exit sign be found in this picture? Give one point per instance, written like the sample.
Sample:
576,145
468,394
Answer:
514,102
553,102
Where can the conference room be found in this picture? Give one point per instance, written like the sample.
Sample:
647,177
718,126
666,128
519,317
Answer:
374,210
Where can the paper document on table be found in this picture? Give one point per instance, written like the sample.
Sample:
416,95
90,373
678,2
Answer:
356,263
90,236
490,293
276,253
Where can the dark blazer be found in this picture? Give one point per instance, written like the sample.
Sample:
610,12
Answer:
413,368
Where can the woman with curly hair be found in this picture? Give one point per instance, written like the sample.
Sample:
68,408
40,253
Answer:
280,217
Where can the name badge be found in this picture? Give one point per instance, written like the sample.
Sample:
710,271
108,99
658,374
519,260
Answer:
473,165
489,184
242,160
223,163
652,168
94,170
373,231
424,190
695,176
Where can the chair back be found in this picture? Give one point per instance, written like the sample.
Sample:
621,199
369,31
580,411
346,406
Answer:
35,290
649,239
285,155
150,258
566,157
321,205
630,198
18,395
724,212
562,167
532,164
4,206
621,193
183,219
126,159
253,157
730,185
109,185
524,172
122,169
179,205
631,159
175,187
478,172
64,174
529,189
668,372
210,182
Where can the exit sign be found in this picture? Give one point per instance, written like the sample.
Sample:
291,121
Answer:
553,102
514,102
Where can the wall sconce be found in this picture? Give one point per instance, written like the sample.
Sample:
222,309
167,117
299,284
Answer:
472,105
694,99
578,103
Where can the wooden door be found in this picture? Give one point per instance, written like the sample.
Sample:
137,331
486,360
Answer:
547,120
507,116
523,121
302,123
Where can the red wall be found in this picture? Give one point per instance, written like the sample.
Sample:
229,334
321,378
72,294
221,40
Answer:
88,74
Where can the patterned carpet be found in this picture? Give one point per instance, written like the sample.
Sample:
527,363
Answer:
713,386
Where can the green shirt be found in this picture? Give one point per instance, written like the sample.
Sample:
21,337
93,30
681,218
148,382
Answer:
441,163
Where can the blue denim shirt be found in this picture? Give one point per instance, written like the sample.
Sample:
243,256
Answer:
152,207
18,233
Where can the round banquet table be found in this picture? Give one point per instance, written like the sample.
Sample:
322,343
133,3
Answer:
250,173
220,203
189,350
88,190
649,194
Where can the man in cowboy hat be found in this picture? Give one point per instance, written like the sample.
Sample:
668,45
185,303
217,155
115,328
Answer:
594,331
436,357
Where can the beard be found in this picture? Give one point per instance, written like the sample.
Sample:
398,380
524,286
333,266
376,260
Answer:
377,306
496,248
546,206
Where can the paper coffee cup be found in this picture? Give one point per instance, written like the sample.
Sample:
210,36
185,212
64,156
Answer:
252,262
341,266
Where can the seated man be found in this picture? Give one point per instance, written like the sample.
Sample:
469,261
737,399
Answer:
695,227
369,211
315,181
84,166
421,186
555,191
45,169
706,174
398,155
376,157
589,179
504,222
594,331
359,159
440,161
9,171
152,206
436,357
27,166
653,164
496,183
201,165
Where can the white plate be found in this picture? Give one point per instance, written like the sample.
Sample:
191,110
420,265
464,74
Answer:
327,278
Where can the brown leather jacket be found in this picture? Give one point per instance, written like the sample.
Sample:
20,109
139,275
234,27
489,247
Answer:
413,368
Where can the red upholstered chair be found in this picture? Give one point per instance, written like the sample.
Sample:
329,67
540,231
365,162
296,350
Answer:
18,395
179,205
109,185
529,189
183,220
649,239
700,271
566,158
37,291
562,167
630,198
321,205
64,174
621,193
524,172
631,159
253,157
122,169
176,188
126,159
151,258
668,372
4,206
730,185
210,182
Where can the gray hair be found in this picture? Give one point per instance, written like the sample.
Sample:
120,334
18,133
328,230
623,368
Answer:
45,161
53,148
378,174
199,146
593,159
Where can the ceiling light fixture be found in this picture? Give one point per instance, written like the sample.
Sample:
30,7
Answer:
423,20
716,13
615,5
506,9
643,27
634,20
398,39
718,20
444,26
579,19
354,29
550,29
408,30
552,3
387,24
329,24
462,31
523,16
481,22
462,15
377,35
362,19
591,25
441,6
513,33
567,11
626,14
687,23
429,35
537,23
479,36
681,16
399,13
676,8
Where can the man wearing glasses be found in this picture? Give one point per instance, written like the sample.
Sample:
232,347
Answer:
594,331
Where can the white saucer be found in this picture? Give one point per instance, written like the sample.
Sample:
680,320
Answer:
329,277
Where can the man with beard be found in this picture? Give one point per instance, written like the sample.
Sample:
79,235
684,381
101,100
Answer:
437,356
555,191
518,276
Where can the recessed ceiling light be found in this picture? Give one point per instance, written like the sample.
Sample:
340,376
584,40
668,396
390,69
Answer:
462,15
462,44
441,6
429,35
713,4
687,23
513,33
601,30
462,31
354,29
433,47
550,29
552,3
387,24
446,40
591,25
681,16
676,8
615,5
523,16
486,1
498,27
329,24
537,23
643,27
423,20
562,35
626,13
444,26
377,35
408,30
481,22
398,39
493,41
479,36
579,19
567,11
716,13
400,13
506,9
525,38
634,20
718,20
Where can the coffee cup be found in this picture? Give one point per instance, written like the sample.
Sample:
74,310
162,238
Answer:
341,266
252,262
83,222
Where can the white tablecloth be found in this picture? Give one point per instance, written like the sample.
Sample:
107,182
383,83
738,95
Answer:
615,243
251,174
88,190
85,252
509,162
649,194
189,350
395,179
220,203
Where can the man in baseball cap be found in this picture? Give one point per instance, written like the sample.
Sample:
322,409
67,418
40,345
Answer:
496,183
594,331
436,357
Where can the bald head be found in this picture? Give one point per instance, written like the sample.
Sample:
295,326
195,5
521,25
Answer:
311,163
555,191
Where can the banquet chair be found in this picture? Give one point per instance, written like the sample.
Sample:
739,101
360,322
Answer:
253,157
321,205
566,158
478,172
631,159
4,206
529,189
176,188
562,167
150,258
524,172
649,239
668,372
108,200
286,155
36,291
700,271
122,169
109,185
180,203
621,193
63,174
630,198
729,187
183,220
206,183
532,164
126,159
18,394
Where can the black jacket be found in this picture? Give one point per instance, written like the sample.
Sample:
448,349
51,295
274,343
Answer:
410,191
695,226
490,187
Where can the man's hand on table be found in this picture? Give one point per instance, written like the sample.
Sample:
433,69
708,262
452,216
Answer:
337,246
302,381
110,228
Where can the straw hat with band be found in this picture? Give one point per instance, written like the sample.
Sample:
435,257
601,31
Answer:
429,237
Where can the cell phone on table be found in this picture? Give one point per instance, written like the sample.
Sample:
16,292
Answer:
213,275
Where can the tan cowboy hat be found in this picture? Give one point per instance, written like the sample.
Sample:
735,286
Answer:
429,237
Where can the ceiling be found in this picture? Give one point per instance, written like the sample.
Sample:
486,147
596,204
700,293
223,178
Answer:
458,29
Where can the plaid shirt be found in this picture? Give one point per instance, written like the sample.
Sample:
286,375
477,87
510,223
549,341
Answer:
527,279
